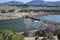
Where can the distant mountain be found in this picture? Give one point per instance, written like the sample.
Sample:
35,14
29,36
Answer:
12,2
41,2
36,2
53,3
57,3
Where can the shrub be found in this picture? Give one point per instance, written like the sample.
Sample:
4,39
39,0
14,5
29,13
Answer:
12,10
9,35
3,11
26,34
44,39
50,36
58,34
41,33
36,38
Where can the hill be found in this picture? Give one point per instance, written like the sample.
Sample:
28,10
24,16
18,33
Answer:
41,2
35,2
12,2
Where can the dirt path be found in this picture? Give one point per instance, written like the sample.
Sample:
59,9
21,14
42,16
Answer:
32,38
29,38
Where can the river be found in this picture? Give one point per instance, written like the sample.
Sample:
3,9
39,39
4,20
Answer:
19,25
54,18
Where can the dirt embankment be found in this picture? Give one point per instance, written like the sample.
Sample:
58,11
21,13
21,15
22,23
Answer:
4,16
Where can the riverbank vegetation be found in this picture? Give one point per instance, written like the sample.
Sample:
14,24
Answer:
9,35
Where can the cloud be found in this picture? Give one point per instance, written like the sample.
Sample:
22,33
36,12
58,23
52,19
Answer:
52,0
24,0
16,0
5,0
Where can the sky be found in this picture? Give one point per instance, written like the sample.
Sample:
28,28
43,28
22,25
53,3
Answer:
24,0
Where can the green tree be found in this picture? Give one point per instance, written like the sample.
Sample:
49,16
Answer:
9,35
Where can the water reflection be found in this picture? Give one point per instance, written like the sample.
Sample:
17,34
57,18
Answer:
54,18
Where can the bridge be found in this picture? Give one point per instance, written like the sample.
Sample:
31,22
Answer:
32,18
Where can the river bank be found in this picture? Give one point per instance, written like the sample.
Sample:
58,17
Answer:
5,16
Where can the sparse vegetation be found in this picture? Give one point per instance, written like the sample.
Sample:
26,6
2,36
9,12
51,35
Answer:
35,8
